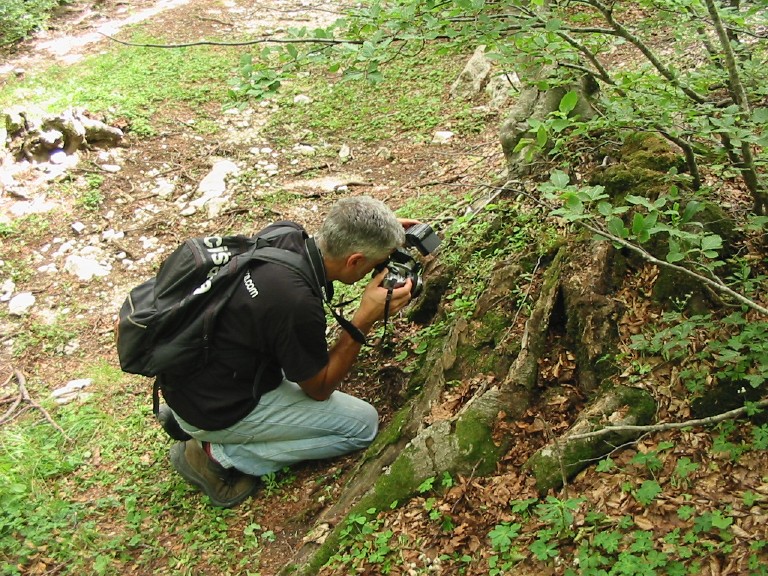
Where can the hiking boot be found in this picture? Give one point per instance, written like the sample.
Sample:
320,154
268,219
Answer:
169,423
226,487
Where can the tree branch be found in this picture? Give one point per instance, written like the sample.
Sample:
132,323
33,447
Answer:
330,41
25,397
731,414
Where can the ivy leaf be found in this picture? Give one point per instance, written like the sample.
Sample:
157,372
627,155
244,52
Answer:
639,228
690,210
685,512
554,25
760,115
541,136
674,255
559,179
608,541
605,208
617,228
711,242
569,101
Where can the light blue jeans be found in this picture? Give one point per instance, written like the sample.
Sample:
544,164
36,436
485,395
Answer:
289,427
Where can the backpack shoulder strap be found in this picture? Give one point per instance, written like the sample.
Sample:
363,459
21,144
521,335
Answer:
292,260
306,269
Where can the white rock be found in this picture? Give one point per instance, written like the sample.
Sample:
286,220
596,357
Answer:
58,156
214,183
305,149
78,227
72,391
6,290
111,168
302,99
111,235
215,206
442,137
84,268
164,187
20,304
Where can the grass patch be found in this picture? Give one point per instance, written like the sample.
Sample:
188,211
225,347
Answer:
132,83
411,100
101,501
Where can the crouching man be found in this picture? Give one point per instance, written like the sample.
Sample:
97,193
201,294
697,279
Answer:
267,397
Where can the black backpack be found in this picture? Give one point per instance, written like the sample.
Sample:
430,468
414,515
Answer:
165,324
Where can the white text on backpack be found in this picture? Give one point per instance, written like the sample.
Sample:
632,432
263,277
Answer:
219,255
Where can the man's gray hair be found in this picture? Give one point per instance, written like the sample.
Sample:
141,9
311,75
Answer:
360,224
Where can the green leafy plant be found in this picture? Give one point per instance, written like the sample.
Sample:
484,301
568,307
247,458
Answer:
18,18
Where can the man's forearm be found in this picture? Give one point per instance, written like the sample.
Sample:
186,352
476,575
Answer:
341,357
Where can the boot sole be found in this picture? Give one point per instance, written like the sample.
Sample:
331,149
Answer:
180,464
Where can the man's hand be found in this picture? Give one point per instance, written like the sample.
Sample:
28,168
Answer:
408,222
343,353
374,300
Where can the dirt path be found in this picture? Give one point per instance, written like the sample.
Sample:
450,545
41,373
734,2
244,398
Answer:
82,27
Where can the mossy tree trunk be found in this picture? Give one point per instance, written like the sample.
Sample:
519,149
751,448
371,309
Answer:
419,443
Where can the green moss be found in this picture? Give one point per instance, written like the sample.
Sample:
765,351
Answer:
491,326
645,150
576,455
642,405
392,433
471,361
475,438
645,161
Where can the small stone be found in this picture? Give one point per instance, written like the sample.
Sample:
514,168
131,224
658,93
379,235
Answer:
442,137
57,156
6,290
20,304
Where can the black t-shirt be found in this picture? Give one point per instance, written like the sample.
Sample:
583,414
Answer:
273,318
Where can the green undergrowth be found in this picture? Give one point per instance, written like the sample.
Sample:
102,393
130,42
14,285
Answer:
131,83
658,523
408,103
103,497
20,18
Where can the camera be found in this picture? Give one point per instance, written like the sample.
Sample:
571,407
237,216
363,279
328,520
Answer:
401,266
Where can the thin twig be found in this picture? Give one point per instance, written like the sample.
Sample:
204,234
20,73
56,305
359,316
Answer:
264,40
25,397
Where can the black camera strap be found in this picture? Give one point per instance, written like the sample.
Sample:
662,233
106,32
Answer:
318,268
386,313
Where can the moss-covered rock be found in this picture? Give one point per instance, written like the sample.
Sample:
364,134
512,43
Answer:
643,168
564,457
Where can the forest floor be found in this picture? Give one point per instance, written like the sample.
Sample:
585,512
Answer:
474,505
